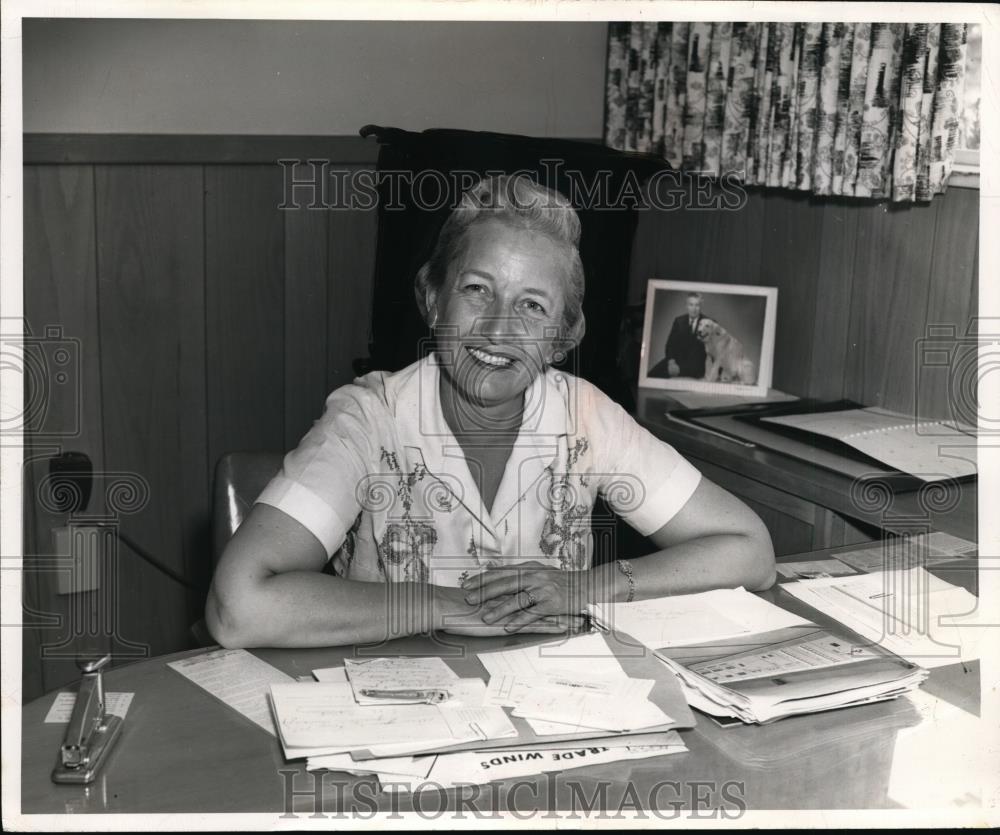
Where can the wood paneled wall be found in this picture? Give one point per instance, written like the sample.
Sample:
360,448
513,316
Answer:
858,283
208,321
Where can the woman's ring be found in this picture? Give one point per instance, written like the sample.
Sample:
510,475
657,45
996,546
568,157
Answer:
531,599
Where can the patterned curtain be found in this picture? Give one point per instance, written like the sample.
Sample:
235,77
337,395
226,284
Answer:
854,109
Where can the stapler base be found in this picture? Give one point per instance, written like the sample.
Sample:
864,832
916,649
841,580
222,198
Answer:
101,741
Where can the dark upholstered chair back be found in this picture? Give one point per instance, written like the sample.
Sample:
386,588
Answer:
240,477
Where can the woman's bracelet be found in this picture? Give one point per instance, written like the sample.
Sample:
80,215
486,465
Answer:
625,567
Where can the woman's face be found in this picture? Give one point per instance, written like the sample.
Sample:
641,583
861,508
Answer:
500,311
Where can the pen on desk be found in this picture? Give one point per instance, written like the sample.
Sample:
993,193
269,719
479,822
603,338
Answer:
429,696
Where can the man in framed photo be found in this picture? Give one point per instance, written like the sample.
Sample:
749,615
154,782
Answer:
684,354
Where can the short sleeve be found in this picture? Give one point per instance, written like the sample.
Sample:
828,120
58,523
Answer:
644,480
318,480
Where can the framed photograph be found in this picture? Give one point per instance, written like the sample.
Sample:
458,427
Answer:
707,337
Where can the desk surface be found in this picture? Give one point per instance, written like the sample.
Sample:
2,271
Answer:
183,751
951,509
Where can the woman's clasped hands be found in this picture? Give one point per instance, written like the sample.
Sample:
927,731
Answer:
529,596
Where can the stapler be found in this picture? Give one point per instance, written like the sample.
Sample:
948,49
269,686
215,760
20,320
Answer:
92,733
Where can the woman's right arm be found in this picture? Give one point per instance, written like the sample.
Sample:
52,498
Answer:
269,591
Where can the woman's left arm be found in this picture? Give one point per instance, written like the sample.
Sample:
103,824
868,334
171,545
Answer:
714,541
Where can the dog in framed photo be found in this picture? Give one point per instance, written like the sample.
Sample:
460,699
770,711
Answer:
725,360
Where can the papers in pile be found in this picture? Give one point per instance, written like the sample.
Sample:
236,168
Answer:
564,687
316,718
739,656
908,611
386,716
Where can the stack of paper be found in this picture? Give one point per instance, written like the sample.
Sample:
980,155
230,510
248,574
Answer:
693,619
387,769
320,718
908,611
739,656
806,674
576,687
568,702
385,681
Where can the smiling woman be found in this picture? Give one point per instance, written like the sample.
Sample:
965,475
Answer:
456,494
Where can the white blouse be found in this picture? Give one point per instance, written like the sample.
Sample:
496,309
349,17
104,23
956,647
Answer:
382,483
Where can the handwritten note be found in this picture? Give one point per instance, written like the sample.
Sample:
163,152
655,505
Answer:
398,680
511,690
585,657
588,710
324,718
237,678
488,722
320,715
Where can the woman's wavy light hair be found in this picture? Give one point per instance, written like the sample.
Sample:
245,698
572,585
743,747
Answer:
524,204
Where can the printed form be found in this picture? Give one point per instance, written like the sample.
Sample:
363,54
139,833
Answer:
691,619
235,677
911,612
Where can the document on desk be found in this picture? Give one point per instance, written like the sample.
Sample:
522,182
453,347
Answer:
478,767
813,653
928,449
390,767
237,678
910,612
330,674
511,690
577,704
583,657
809,569
324,718
933,549
691,619
399,681
325,715
487,721
588,710
808,673
117,704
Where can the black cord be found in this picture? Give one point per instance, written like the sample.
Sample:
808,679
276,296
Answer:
143,554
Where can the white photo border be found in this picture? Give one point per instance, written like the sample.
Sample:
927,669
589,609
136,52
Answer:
765,370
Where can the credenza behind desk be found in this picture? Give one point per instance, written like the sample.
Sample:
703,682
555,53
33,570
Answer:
806,507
